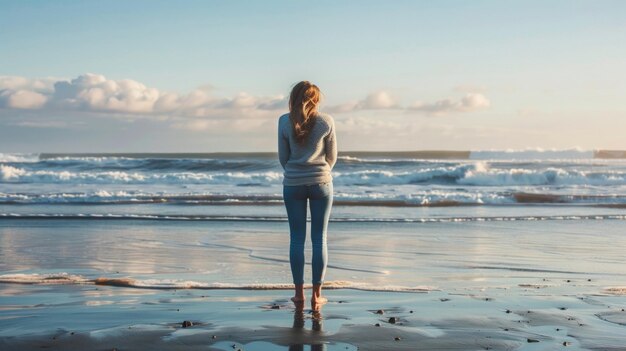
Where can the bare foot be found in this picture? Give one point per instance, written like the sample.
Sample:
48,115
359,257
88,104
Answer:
298,295
318,302
298,299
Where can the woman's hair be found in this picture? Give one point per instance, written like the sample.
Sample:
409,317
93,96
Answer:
303,101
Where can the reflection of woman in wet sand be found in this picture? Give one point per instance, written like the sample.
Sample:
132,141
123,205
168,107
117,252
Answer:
307,149
298,326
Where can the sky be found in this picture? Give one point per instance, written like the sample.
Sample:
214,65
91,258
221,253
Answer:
213,76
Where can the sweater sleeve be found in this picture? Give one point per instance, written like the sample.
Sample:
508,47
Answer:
283,146
331,145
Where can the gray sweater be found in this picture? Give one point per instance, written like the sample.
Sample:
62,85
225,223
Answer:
310,162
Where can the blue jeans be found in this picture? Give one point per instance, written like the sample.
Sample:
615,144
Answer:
320,197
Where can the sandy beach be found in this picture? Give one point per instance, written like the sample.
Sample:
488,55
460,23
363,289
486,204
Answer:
99,318
523,285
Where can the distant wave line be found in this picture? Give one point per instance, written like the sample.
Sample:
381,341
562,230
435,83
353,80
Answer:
209,218
417,154
435,198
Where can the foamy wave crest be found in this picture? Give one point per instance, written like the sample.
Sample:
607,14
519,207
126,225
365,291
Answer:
417,198
157,164
481,174
208,218
49,278
377,177
20,175
66,278
532,154
19,157
100,196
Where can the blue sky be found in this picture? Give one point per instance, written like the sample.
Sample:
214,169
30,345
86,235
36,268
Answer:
212,75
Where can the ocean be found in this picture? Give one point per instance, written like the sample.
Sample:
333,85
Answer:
29,182
518,245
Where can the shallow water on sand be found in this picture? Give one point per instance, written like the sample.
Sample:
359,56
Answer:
545,255
89,283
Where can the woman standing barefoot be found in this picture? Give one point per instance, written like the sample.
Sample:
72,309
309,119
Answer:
307,150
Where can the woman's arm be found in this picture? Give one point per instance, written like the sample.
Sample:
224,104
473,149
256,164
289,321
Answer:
331,145
283,146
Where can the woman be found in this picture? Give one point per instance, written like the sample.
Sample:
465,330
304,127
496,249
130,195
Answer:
307,150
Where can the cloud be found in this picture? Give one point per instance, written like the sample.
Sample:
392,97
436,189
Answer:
43,85
382,100
96,93
379,100
22,99
470,102
130,99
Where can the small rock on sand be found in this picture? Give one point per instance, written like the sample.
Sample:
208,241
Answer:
393,320
187,324
532,340
380,312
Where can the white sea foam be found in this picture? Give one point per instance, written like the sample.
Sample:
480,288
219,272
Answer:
18,157
532,154
15,174
48,278
406,196
615,290
235,218
66,278
376,179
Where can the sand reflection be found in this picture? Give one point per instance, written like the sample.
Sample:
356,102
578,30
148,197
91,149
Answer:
299,326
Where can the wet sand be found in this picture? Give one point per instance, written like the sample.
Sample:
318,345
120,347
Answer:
552,285
539,315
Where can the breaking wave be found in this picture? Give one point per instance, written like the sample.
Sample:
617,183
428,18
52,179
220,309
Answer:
471,174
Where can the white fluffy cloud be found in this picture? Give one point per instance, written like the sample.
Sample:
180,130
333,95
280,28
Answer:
470,102
43,85
22,99
95,93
